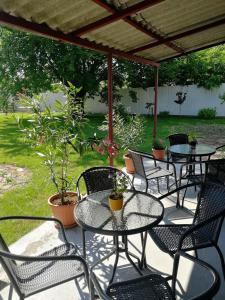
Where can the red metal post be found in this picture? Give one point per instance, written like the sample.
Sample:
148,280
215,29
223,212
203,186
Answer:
110,103
155,101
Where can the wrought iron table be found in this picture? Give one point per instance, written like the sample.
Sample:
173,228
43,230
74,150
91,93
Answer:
140,212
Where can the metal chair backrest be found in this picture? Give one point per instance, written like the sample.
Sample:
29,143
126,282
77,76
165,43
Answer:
211,202
100,178
138,162
178,138
215,170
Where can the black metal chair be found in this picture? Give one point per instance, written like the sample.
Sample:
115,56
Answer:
215,171
97,179
205,228
29,275
177,139
155,286
157,169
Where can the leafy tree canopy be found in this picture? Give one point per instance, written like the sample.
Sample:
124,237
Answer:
34,63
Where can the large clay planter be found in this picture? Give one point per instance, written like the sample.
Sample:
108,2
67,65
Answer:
158,154
129,164
115,204
65,213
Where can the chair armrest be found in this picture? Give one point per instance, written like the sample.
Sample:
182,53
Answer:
198,226
211,290
219,147
36,218
79,197
178,189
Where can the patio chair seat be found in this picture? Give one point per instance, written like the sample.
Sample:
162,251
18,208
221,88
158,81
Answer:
157,173
148,287
36,275
167,238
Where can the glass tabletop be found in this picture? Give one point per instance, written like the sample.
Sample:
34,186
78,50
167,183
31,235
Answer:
140,212
186,149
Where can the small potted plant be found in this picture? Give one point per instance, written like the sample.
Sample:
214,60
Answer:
54,132
192,140
158,149
128,133
120,184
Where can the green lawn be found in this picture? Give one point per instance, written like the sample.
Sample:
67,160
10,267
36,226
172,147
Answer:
32,198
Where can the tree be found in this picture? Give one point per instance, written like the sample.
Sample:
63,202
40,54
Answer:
34,63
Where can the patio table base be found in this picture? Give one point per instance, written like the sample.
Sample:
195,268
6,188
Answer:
120,247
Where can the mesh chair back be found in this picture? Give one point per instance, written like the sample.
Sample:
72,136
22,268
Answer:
138,162
178,138
211,202
215,171
100,178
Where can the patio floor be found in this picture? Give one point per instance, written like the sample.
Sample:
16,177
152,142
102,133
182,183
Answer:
46,236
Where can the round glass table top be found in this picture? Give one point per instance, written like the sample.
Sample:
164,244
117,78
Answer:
140,212
186,149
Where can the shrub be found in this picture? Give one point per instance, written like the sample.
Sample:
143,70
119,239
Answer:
207,113
158,144
163,114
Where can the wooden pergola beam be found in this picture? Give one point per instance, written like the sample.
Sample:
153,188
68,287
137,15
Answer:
44,30
136,25
178,36
116,16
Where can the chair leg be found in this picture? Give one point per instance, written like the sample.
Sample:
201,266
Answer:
83,243
221,259
158,185
196,253
91,289
146,190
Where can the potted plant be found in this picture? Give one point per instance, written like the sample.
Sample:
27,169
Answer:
158,149
192,140
120,184
128,133
55,132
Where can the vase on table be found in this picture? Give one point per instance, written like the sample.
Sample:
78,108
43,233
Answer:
115,202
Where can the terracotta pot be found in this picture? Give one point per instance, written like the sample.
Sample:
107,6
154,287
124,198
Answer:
115,204
158,154
129,164
65,213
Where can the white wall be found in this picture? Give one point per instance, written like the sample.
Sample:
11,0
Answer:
196,99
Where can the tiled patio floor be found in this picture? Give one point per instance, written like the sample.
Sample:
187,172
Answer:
46,236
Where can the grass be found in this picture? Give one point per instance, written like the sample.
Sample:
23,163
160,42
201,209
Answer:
32,198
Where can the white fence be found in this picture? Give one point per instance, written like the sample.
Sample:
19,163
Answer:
196,98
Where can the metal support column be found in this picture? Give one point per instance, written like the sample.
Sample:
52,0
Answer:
155,101
110,102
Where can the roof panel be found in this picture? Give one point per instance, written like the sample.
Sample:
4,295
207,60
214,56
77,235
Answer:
121,34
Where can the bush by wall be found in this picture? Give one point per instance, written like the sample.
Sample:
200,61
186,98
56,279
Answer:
163,114
207,113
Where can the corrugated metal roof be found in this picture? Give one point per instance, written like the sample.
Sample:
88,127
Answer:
152,24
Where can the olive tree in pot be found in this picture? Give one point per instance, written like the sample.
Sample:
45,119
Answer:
56,131
128,133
